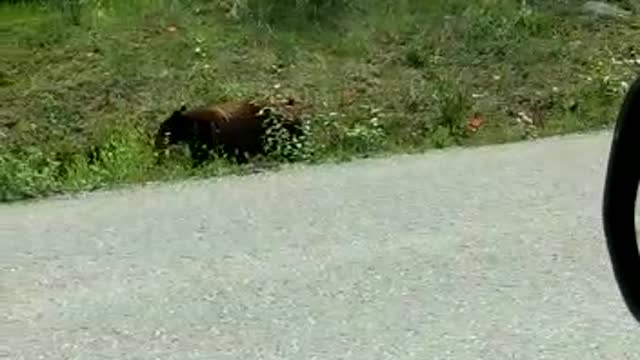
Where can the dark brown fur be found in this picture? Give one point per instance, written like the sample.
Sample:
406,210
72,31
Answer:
234,128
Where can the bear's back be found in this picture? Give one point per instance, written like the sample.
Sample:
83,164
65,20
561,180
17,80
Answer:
236,111
231,123
227,115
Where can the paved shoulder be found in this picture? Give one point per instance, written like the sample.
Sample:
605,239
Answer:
485,253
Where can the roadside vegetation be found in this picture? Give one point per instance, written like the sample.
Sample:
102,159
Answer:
379,77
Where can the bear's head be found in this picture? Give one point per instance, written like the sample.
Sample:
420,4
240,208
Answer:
172,130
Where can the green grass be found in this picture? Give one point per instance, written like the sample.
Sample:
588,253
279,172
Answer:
380,77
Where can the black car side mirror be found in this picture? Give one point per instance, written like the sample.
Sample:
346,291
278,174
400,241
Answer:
619,203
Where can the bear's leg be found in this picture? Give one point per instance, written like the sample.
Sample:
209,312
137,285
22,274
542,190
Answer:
241,156
199,154
234,151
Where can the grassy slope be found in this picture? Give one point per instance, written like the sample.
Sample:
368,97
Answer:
386,77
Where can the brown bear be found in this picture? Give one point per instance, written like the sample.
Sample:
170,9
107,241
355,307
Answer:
235,129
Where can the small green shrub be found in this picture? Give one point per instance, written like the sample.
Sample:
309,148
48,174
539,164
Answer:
453,106
283,146
27,174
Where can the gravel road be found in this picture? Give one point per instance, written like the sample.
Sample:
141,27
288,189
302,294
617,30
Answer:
484,253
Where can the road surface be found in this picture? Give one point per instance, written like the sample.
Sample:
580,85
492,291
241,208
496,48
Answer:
485,253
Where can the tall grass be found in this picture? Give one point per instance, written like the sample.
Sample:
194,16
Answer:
379,76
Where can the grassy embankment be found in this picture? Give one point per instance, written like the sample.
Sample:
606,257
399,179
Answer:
381,77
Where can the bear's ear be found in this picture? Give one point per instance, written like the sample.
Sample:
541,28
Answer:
180,111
